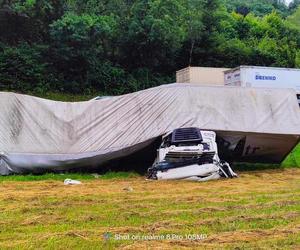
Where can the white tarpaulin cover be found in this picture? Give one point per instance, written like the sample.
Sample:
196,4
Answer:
38,134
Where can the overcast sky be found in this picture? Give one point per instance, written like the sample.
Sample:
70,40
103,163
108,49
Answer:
288,1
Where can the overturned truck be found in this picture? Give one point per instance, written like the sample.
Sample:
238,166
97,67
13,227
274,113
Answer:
38,135
190,154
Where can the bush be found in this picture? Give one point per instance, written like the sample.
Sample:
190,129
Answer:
22,68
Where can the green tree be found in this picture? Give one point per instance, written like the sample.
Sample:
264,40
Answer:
155,31
119,46
23,69
80,43
257,7
40,13
297,59
294,19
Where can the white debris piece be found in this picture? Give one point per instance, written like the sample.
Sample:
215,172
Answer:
71,182
187,171
128,189
96,175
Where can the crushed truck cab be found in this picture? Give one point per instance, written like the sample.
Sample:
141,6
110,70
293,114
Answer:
189,153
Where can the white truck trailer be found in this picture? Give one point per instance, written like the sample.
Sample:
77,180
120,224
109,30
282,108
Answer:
263,77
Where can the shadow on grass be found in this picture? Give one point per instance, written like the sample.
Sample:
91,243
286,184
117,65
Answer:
255,166
291,161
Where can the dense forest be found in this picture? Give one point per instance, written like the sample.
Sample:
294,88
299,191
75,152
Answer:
119,46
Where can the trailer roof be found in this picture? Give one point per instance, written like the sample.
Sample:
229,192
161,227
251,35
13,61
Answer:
259,67
31,124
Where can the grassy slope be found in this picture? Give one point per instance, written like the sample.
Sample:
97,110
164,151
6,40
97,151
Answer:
257,210
293,158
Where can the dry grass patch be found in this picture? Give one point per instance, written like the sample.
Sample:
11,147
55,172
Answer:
258,210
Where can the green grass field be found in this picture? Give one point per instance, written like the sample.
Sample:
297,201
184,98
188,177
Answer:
258,210
293,159
61,177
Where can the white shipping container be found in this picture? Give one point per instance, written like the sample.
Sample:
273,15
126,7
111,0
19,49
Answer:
264,77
